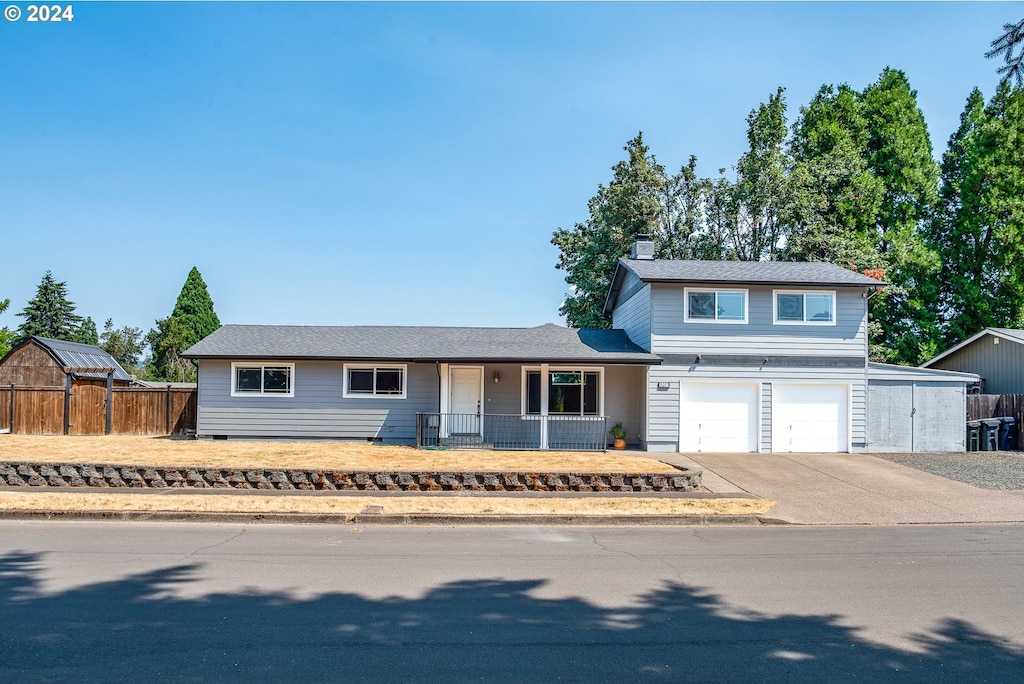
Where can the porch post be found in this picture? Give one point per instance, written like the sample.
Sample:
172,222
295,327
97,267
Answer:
67,403
110,402
444,405
544,405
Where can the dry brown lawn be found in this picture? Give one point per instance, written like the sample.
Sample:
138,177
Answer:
161,451
392,505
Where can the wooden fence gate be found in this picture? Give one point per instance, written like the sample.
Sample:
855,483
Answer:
133,410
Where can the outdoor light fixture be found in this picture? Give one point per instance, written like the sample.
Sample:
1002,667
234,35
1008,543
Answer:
497,377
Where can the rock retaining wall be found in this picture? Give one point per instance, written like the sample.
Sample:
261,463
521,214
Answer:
14,474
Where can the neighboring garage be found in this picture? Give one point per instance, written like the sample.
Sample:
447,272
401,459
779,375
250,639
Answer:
916,409
718,417
810,417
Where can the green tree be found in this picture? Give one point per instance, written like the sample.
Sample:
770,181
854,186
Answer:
86,332
50,313
1012,39
863,189
125,343
835,196
899,154
167,341
633,203
6,336
192,319
761,192
979,230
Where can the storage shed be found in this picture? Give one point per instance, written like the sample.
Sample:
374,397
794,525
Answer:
43,362
916,409
995,354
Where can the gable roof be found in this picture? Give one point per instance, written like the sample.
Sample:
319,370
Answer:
1010,334
544,343
806,273
77,355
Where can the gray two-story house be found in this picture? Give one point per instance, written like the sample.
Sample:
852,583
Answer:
756,356
702,356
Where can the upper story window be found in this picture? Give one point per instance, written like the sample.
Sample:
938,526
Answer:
805,308
375,381
262,379
715,306
570,392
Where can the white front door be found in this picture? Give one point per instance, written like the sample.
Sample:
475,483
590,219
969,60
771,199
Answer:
466,401
718,417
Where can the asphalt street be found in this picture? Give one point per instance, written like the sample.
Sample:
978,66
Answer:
90,602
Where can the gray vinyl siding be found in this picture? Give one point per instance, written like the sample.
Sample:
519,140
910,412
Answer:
671,334
917,416
317,409
1001,365
634,315
664,411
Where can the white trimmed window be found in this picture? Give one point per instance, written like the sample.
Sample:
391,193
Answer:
571,391
262,379
714,306
375,381
805,308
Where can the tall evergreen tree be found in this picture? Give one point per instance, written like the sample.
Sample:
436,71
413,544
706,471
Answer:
1010,45
50,313
979,231
192,319
835,196
194,308
899,154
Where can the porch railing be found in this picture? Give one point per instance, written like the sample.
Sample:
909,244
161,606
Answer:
511,431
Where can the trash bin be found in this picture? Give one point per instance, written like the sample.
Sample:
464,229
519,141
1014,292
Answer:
1008,434
973,435
990,434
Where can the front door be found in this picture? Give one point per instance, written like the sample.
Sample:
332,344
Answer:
467,389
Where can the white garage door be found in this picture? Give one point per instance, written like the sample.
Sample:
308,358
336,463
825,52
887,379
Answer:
810,418
718,417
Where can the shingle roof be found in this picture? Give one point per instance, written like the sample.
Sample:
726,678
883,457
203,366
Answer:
752,272
807,273
77,355
543,343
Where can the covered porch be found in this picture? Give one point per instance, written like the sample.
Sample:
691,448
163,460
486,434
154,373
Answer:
564,406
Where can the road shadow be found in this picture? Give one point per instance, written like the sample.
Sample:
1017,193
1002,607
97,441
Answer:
140,628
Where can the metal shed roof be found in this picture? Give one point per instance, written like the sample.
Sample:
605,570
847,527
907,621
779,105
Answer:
81,356
886,371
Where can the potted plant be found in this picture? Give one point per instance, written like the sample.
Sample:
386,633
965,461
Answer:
619,435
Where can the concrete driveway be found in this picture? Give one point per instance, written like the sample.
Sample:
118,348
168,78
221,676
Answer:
851,489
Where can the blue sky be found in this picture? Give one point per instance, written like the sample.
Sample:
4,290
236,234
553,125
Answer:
402,164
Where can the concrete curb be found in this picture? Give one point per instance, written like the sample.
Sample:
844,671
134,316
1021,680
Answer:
400,519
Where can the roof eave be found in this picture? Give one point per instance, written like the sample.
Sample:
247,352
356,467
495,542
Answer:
970,340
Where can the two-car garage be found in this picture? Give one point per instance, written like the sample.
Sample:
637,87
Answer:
747,417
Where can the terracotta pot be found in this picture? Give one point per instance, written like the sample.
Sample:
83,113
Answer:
620,443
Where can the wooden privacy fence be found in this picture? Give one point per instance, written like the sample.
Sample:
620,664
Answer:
982,406
82,410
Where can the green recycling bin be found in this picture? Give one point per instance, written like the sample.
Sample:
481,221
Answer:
973,435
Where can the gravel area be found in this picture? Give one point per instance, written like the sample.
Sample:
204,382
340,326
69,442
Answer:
986,469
